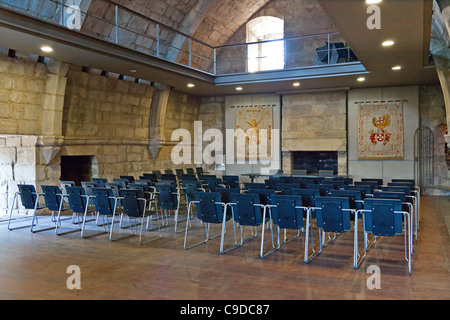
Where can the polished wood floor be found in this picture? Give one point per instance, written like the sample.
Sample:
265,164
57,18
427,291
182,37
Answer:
33,266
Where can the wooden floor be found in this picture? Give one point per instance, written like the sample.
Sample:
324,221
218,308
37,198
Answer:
33,266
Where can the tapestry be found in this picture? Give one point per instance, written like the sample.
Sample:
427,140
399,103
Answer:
254,124
380,131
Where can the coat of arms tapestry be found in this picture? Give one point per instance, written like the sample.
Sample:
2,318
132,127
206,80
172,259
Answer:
380,131
254,124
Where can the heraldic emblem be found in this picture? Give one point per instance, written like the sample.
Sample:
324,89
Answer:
380,135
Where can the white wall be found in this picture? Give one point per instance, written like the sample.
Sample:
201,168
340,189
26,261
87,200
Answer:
386,169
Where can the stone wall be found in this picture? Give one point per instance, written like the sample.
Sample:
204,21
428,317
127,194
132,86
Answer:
314,122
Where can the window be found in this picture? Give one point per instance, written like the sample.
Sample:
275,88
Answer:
266,55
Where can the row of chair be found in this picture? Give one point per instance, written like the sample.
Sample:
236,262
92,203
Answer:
287,205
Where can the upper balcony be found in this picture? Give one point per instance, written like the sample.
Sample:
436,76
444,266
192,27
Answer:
312,56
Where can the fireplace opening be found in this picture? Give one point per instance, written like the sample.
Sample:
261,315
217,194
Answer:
76,168
313,161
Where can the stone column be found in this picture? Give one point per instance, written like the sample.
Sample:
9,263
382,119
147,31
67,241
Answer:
51,139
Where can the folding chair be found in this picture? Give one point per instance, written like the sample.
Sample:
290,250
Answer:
79,203
286,212
332,216
385,217
55,203
210,210
135,207
168,200
231,182
30,200
106,205
129,178
100,182
246,211
254,185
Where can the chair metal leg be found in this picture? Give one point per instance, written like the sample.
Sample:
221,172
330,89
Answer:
262,254
309,257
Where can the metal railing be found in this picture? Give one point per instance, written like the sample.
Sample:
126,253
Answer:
110,21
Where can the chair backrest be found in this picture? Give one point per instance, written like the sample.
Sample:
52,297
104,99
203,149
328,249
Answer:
285,214
27,195
115,187
190,188
100,182
264,195
409,181
142,187
189,177
179,172
231,181
378,181
157,174
352,196
88,186
329,214
190,171
77,199
323,189
104,202
208,209
52,197
169,177
199,171
308,196
404,189
123,182
168,171
129,178
390,195
382,219
248,186
244,211
167,197
64,184
371,184
213,184
150,176
225,194
132,206
286,188
364,189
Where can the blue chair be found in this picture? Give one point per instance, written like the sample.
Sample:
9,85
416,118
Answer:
286,188
30,201
355,197
286,212
129,178
135,207
122,182
264,195
247,211
100,182
385,217
333,215
54,202
190,171
106,205
231,182
260,186
168,200
210,210
79,203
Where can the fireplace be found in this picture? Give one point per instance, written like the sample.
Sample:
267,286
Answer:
313,161
76,168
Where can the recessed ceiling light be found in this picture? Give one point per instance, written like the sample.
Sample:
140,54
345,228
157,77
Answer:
191,85
361,79
133,71
388,43
296,84
47,49
397,68
239,89
373,1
